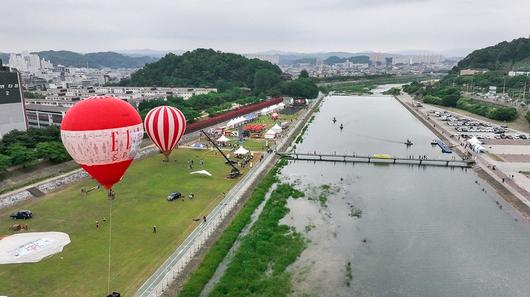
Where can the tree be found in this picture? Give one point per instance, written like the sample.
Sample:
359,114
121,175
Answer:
528,116
303,74
5,162
21,155
53,151
264,80
302,87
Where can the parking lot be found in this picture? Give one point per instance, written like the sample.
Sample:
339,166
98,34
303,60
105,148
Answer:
489,133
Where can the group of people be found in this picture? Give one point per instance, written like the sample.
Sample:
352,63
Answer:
191,163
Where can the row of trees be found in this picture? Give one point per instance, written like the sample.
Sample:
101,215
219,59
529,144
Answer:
212,103
26,147
451,97
490,111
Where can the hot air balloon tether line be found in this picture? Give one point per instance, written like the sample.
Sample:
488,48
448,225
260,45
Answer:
103,135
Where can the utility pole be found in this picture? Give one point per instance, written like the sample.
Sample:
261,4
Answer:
524,91
504,86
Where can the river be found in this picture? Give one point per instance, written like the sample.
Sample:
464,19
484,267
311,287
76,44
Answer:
423,231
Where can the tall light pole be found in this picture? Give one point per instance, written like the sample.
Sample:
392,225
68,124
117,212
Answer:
504,86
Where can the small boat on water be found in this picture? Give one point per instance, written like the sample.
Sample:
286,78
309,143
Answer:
382,156
341,126
334,120
408,142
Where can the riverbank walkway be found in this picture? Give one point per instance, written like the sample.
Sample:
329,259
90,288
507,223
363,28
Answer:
420,161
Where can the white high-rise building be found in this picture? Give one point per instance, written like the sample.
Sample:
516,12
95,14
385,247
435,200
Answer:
26,62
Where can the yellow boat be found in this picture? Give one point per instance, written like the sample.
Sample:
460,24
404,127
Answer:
382,156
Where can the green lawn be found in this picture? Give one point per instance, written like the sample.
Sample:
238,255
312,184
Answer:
253,144
81,269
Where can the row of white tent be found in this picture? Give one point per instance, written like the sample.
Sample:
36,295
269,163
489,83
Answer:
272,108
236,122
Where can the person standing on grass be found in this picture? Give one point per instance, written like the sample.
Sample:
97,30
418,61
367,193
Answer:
97,224
154,229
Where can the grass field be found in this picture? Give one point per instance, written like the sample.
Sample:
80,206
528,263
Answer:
81,269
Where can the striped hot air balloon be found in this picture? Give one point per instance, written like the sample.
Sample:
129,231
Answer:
165,125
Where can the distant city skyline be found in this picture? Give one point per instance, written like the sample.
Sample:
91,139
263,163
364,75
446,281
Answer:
258,26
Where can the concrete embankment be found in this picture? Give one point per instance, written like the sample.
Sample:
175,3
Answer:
506,188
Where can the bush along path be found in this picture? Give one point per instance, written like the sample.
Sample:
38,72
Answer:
200,277
258,268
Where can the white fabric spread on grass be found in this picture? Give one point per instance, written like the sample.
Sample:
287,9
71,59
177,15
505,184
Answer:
31,247
202,172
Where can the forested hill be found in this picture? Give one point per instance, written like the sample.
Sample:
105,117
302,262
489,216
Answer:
502,56
201,68
94,60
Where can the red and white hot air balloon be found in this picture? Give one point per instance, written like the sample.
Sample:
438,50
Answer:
103,135
165,125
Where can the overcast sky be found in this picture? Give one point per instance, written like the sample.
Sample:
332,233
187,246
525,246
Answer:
252,26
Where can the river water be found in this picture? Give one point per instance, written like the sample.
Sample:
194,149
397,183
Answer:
423,231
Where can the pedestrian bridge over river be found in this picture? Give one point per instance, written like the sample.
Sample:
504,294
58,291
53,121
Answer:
376,159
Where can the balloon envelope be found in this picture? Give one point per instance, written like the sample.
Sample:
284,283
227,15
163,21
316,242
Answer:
103,135
165,125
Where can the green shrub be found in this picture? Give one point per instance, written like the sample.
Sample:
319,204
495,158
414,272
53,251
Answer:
259,265
488,110
430,99
200,277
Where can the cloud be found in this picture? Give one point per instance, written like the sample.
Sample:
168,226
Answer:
247,26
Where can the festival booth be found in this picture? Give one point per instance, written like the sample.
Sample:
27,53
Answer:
223,140
270,134
276,128
235,122
275,116
241,152
254,130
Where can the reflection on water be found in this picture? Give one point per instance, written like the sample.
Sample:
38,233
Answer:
424,231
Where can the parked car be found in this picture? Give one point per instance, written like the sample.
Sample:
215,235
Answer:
22,214
174,196
522,136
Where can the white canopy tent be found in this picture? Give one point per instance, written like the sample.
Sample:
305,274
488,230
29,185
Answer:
270,134
476,145
241,151
276,128
223,139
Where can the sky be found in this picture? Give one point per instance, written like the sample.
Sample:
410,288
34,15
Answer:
246,26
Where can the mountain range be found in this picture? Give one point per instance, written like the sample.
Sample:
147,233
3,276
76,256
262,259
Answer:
92,60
